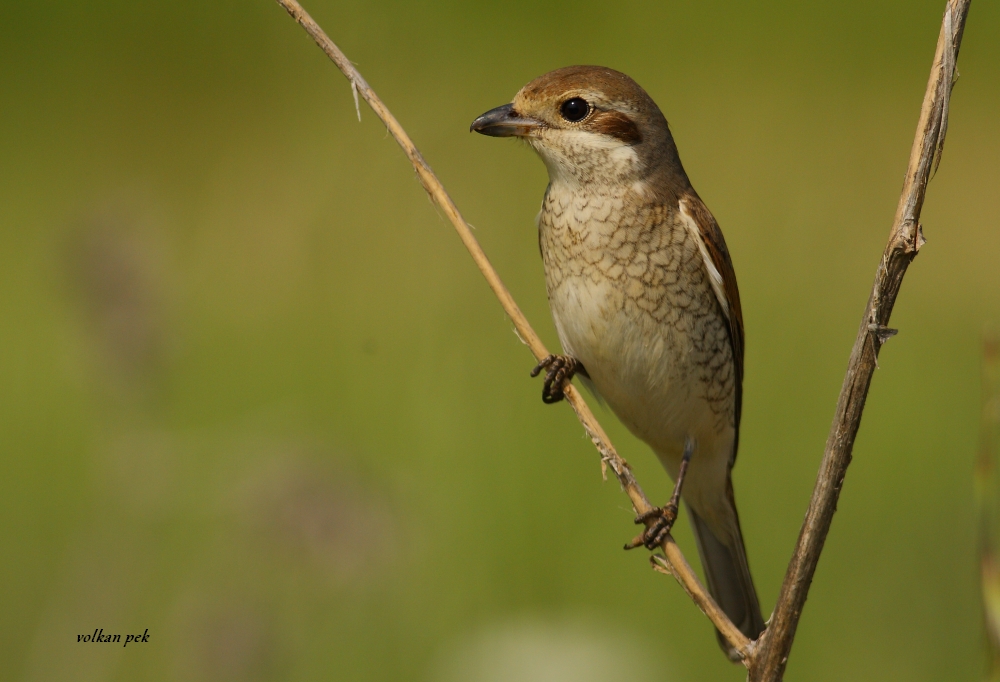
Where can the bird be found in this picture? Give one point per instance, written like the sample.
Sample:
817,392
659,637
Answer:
644,299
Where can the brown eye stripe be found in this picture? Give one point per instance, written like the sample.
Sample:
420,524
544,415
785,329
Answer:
617,125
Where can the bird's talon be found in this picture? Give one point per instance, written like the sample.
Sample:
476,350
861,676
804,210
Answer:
663,519
637,541
545,362
560,368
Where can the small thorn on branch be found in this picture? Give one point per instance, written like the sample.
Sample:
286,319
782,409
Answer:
912,239
882,333
357,105
918,239
879,335
661,565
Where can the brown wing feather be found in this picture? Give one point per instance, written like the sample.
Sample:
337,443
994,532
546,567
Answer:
715,246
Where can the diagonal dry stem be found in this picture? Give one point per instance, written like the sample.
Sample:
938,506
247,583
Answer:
905,240
674,558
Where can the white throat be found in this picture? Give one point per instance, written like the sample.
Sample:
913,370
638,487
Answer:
577,159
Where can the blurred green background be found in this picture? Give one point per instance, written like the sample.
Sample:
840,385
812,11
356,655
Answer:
257,399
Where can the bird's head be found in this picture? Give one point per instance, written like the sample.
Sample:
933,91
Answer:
591,125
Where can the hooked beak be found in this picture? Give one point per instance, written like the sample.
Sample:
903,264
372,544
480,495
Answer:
504,122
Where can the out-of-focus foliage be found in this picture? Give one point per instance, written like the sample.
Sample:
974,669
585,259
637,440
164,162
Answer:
987,502
257,399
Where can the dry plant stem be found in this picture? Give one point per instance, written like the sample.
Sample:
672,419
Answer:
701,598
609,457
905,240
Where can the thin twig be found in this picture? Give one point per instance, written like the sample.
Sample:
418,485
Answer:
609,457
702,599
905,240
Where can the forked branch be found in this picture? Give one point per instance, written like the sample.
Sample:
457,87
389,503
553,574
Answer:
766,658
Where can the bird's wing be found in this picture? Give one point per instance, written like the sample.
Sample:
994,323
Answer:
713,249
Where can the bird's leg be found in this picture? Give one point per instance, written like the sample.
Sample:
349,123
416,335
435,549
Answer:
560,368
663,517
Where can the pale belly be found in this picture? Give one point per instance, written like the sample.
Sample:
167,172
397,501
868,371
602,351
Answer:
648,372
632,300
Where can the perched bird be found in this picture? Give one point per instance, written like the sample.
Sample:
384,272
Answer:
644,299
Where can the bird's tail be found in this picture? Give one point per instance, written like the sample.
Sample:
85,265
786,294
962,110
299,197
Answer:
728,576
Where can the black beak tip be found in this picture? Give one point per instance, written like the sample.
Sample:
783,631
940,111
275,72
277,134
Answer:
495,122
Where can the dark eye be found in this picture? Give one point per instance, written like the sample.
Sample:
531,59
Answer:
575,109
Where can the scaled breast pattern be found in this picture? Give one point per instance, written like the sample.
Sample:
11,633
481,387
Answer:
652,260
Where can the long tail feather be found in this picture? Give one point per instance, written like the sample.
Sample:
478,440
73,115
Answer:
728,576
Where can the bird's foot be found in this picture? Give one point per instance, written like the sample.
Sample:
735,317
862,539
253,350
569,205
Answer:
661,521
560,368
